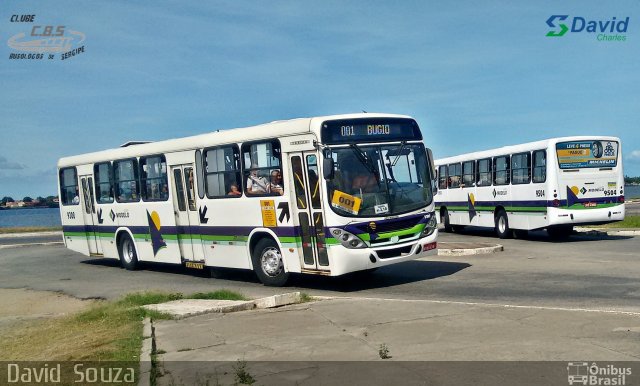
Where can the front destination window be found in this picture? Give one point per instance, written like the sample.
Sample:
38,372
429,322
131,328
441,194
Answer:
379,180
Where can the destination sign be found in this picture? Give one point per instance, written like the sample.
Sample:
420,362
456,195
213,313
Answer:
587,154
370,130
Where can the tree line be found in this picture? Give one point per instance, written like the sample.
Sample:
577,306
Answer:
49,201
631,180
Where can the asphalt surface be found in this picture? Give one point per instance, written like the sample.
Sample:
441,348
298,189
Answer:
632,208
592,272
31,238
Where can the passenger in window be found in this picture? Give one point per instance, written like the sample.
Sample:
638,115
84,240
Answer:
275,185
255,183
234,191
132,194
76,198
165,192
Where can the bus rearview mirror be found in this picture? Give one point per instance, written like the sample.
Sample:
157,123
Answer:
327,168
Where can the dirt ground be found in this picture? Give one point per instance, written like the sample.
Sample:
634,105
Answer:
20,307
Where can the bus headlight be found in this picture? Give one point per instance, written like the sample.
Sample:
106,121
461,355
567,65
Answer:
431,226
347,239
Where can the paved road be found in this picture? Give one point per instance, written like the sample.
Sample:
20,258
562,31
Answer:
632,208
585,272
30,238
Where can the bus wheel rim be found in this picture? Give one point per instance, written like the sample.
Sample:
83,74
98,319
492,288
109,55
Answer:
271,262
127,251
502,224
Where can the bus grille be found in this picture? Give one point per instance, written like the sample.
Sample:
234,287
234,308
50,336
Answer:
390,225
394,252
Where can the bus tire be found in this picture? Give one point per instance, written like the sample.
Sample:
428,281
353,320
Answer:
560,232
502,225
268,264
128,255
447,223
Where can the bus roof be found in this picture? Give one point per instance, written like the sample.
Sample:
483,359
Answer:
529,146
275,129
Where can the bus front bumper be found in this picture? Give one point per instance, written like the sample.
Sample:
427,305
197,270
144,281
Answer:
351,260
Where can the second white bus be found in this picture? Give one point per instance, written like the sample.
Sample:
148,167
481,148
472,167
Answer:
552,184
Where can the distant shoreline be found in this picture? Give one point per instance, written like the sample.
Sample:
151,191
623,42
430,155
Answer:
30,207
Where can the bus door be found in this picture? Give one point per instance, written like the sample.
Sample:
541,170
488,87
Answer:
307,210
186,212
89,215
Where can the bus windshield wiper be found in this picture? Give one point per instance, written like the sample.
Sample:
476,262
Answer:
403,144
366,161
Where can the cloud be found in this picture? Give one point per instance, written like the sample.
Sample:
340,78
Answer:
7,165
633,156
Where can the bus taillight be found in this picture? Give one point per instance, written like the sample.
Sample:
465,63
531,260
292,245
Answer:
556,203
621,199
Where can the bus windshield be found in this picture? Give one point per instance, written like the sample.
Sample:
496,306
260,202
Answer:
379,180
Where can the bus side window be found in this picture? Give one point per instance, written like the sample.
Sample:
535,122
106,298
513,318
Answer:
501,170
521,168
539,166
484,172
153,178
468,174
103,182
442,177
261,161
222,171
455,174
69,187
126,180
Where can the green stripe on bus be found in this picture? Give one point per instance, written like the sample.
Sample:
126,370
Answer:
402,232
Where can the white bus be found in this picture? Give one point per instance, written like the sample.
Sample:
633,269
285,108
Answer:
554,184
324,195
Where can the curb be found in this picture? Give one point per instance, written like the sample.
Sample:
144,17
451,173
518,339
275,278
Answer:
146,353
606,231
186,308
29,234
470,251
30,244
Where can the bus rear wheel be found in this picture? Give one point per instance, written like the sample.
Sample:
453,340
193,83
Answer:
268,264
128,255
502,225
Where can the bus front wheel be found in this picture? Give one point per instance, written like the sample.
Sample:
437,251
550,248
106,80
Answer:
502,225
128,255
268,264
447,223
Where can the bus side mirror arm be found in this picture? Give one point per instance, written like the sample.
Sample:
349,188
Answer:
432,166
327,168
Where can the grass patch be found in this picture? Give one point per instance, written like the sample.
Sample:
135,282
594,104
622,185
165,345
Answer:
218,295
305,297
628,222
28,229
107,331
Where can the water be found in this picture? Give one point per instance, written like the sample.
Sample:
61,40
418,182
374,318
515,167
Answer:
632,191
37,217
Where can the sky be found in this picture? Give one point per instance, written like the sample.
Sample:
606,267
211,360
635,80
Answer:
475,75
